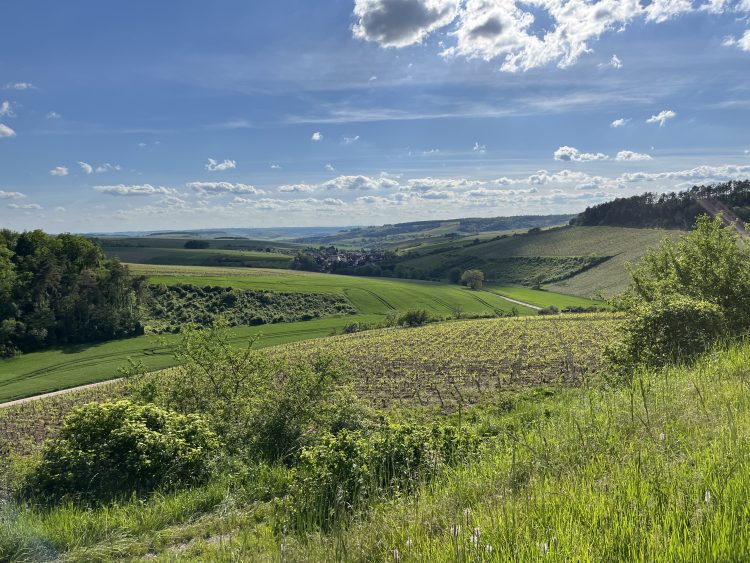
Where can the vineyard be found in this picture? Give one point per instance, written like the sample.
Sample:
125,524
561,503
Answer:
459,362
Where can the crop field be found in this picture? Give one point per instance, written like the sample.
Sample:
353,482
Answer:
444,364
374,296
208,257
458,362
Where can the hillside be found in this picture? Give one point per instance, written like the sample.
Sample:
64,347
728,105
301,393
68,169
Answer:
577,260
433,231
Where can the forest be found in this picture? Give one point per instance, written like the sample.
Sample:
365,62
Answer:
672,210
57,290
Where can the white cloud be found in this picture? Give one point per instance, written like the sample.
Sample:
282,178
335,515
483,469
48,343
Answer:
662,10
224,187
19,86
299,188
330,168
53,115
317,136
662,117
25,206
135,190
60,209
275,167
615,62
400,23
439,184
107,167
215,166
351,140
715,6
358,183
617,123
481,149
630,155
744,41
11,195
568,154
87,168
6,109
59,171
6,132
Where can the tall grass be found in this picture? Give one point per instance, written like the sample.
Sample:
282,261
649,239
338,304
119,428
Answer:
656,470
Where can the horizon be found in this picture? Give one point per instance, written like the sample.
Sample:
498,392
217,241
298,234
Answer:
144,117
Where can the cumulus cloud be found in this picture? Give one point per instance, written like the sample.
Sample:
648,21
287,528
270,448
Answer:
509,30
11,195
481,149
630,155
86,167
662,117
6,109
742,43
59,171
214,166
224,187
53,115
400,23
330,168
24,206
6,132
135,190
317,136
358,183
568,154
617,123
275,167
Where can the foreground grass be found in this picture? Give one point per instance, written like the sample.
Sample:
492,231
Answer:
656,470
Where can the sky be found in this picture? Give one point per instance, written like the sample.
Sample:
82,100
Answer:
142,115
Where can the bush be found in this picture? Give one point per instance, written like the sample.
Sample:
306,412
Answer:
415,317
672,328
342,473
264,408
473,279
549,310
684,296
197,244
108,450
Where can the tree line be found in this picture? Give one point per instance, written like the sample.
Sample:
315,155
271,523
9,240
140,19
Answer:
62,289
673,210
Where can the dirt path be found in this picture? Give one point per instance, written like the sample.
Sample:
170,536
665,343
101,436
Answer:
516,301
55,393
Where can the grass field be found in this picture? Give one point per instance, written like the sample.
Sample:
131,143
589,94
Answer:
208,257
375,296
542,298
42,372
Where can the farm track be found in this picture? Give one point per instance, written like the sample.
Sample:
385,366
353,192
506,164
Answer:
44,396
516,301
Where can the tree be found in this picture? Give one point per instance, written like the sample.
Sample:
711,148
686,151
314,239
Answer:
473,278
197,244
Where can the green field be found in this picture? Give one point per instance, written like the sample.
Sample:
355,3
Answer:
208,257
542,298
376,296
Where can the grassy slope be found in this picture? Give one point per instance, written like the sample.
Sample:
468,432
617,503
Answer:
370,295
621,244
542,298
656,471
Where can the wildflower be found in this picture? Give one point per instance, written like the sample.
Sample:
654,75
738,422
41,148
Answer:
455,530
488,548
554,541
707,497
467,514
409,543
545,548
396,555
662,437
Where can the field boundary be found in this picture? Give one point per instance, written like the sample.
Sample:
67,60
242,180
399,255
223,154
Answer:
516,301
17,402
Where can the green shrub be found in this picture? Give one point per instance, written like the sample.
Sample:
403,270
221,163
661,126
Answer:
415,317
669,329
343,472
549,310
107,450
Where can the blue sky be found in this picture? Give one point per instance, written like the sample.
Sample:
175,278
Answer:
160,115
